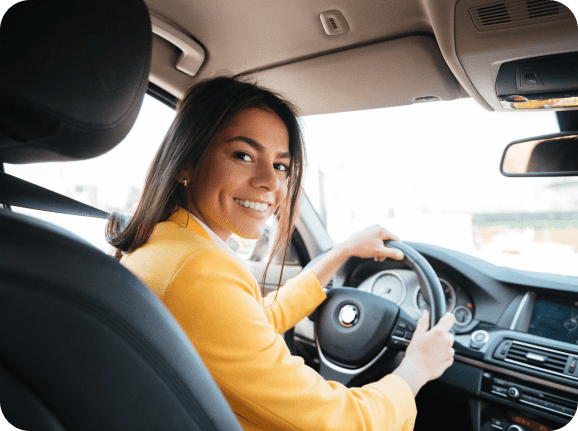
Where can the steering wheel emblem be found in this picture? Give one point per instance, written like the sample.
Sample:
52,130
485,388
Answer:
348,315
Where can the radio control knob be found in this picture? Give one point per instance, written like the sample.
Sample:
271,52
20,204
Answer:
515,428
514,393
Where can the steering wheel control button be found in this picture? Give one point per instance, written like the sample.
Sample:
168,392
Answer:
349,315
478,339
398,343
399,333
404,324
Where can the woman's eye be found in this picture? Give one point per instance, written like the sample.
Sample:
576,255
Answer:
281,167
243,156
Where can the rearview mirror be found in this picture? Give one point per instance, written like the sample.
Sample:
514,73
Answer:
542,156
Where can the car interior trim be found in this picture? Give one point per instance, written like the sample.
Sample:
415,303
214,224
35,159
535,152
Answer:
545,408
349,371
308,223
499,394
6,207
511,373
521,308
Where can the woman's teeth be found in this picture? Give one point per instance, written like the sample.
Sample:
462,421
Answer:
253,205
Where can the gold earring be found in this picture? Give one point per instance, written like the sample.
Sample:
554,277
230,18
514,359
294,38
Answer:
185,182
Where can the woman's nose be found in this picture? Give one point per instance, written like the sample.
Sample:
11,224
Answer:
266,177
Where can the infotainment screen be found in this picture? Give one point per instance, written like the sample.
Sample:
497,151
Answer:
555,319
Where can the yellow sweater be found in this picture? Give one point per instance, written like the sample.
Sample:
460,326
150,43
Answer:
217,302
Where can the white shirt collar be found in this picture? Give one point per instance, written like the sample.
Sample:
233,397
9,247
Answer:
217,240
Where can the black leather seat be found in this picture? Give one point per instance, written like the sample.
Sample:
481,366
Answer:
84,345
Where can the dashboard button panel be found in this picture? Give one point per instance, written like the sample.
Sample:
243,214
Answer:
546,400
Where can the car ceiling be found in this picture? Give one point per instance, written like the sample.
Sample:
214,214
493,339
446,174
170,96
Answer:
284,46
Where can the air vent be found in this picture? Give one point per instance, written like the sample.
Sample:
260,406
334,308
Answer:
541,8
526,354
493,15
513,13
536,357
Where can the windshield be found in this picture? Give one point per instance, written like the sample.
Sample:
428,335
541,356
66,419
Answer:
430,173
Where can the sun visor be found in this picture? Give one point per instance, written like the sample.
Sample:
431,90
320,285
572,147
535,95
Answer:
73,77
391,73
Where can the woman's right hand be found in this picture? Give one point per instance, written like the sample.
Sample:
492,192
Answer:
429,353
432,350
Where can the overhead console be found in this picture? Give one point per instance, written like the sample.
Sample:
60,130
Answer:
518,54
539,83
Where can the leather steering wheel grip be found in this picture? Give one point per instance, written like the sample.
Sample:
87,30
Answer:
426,276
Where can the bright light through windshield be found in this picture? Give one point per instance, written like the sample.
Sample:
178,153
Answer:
430,173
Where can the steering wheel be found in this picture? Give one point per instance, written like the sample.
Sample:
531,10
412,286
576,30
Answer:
354,329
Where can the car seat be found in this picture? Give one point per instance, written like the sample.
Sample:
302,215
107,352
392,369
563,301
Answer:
84,345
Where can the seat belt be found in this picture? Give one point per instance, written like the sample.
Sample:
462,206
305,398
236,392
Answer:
20,193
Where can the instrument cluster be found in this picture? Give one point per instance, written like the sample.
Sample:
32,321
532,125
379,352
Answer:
401,286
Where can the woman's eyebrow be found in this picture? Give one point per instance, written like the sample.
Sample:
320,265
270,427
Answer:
258,146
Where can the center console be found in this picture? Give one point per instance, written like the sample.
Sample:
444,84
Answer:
530,381
512,404
529,372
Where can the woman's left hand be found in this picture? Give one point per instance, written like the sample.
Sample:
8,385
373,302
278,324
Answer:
368,243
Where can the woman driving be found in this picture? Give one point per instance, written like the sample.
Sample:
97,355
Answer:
232,158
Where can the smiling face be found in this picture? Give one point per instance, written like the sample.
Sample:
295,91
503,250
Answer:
243,178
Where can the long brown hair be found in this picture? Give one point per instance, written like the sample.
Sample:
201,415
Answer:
206,109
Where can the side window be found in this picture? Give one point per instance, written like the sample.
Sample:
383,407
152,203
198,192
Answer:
111,182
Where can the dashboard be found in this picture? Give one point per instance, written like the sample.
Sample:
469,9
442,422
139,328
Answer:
516,331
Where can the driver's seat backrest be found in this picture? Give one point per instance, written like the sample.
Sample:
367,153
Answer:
84,344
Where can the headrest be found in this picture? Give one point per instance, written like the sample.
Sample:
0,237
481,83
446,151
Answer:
73,77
